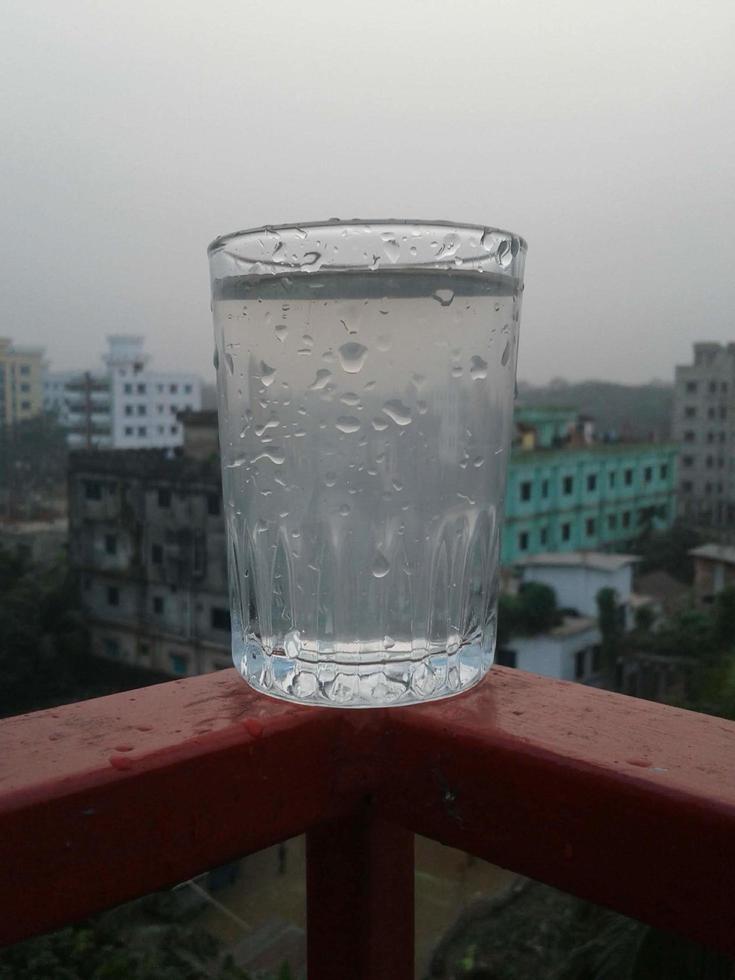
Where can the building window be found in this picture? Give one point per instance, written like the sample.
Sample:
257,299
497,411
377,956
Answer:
111,647
142,410
566,532
158,605
626,518
159,409
611,479
526,490
686,486
648,474
690,412
187,389
142,431
543,536
567,485
689,436
25,370
164,497
25,388
156,554
92,490
128,388
111,544
712,387
711,412
159,389
128,409
129,430
691,387
141,389
220,618
591,482
612,521
544,488
708,488
161,430
710,437
589,526
178,664
213,504
173,389
174,429
628,477
25,406
113,595
523,541
174,409
686,462
709,462
579,664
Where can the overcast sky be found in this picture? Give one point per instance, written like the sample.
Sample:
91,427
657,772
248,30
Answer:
132,133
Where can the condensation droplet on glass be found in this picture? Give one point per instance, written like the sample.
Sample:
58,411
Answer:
383,343
344,510
422,407
262,429
215,359
478,368
330,479
457,371
347,424
443,296
350,398
504,254
379,424
321,380
478,461
281,331
274,455
418,379
388,642
381,565
369,385
397,486
391,248
506,354
229,362
352,356
397,411
267,374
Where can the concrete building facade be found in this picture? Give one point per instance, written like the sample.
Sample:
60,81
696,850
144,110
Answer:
21,383
566,492
148,540
704,425
126,406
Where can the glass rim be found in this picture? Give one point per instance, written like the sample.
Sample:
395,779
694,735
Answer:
331,223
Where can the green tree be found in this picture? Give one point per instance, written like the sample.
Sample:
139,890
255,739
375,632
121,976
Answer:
611,626
532,610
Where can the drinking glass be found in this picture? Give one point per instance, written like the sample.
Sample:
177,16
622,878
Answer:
365,375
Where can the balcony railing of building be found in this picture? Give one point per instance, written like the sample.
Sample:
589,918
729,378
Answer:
625,803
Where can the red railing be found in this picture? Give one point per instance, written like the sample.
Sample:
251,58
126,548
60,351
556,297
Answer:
622,802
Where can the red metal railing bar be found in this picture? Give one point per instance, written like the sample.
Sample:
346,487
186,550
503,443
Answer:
626,803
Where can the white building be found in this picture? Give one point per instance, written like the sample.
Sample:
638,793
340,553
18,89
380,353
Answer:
577,576
126,406
568,652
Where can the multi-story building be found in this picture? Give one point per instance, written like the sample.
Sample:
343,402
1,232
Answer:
127,406
704,425
21,387
566,492
146,534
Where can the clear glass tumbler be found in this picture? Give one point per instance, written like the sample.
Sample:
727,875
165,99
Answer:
366,373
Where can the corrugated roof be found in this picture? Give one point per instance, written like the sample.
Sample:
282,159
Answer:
715,552
599,560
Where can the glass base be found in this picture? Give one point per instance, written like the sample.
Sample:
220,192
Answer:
382,684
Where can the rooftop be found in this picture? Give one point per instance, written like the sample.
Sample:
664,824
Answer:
540,454
572,625
715,552
152,464
598,560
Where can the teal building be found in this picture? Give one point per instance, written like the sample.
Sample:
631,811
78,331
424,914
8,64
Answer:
566,492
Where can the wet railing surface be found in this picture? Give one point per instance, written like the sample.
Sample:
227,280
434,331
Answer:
625,803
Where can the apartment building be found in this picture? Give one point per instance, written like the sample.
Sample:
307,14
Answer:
21,382
704,425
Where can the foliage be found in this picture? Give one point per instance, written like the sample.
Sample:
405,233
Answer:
533,610
152,938
33,463
611,629
668,551
44,654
